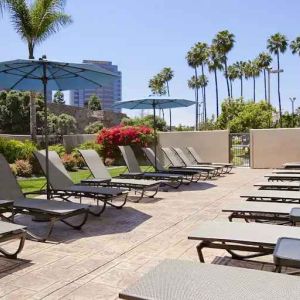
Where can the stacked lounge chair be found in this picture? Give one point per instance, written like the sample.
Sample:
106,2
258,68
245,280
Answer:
63,187
101,177
51,210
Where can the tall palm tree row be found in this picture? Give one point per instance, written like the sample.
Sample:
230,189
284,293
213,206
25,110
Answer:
232,74
252,70
224,42
35,21
276,44
264,61
215,63
195,83
240,69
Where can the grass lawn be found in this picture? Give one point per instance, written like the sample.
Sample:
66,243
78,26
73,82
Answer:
34,184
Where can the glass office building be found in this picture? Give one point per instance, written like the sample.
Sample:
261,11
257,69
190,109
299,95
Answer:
109,94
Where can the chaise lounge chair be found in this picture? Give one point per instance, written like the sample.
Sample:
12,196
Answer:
278,185
258,239
53,211
170,179
286,171
283,177
262,212
291,165
200,161
272,196
188,163
63,187
177,280
176,163
102,177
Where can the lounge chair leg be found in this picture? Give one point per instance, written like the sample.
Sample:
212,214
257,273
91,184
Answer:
43,239
119,206
98,214
14,255
77,227
199,251
277,269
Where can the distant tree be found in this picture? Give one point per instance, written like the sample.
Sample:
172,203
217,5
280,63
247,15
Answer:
240,68
277,44
66,124
147,121
215,63
59,98
157,85
224,42
264,60
94,103
252,70
232,74
94,127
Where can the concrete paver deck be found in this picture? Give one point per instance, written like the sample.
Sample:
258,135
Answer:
113,251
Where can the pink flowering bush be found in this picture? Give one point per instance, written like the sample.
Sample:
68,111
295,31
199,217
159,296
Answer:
111,138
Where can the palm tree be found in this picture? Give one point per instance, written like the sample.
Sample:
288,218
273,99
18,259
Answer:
295,45
224,42
203,82
277,44
194,83
240,68
215,63
193,62
264,60
35,22
252,71
233,74
166,75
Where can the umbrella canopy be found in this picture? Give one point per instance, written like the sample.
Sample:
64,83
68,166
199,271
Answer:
43,75
154,103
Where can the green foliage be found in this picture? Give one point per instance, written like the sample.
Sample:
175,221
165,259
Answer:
240,116
157,85
66,124
69,161
94,103
181,127
87,146
93,127
58,148
15,150
22,168
148,121
59,98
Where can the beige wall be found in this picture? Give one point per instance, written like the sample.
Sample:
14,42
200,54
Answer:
211,145
270,148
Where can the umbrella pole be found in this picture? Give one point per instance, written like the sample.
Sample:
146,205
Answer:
45,79
170,114
155,140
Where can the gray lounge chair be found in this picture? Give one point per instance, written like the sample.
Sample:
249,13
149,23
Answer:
188,163
176,163
286,171
178,280
291,165
63,187
272,195
278,185
53,211
170,179
283,177
258,239
261,211
102,177
198,160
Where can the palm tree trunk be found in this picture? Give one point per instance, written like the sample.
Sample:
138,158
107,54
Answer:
265,84
241,78
254,89
32,108
227,82
278,89
204,95
217,92
197,101
230,81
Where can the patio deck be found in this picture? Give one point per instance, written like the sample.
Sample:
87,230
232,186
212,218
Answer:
112,252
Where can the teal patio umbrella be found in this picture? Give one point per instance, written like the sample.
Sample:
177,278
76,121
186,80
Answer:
154,103
43,75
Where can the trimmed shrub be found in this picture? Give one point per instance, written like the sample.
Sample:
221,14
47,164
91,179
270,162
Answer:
93,127
59,149
69,162
87,146
111,138
23,168
80,162
13,169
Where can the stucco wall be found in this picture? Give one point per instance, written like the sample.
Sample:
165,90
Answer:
211,145
270,148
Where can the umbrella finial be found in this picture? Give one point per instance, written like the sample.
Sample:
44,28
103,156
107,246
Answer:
44,57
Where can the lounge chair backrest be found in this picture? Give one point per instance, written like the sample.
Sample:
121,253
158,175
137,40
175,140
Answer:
151,157
59,178
130,159
182,155
172,157
9,187
195,154
95,164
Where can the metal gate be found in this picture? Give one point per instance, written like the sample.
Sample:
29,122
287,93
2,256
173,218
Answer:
239,144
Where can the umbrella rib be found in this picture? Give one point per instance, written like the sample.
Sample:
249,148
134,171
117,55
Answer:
14,85
49,69
18,69
76,75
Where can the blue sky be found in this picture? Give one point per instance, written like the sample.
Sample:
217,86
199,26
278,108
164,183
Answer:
142,37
